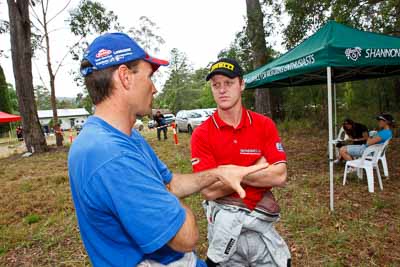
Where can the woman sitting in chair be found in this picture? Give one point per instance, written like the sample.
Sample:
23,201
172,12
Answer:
385,123
357,134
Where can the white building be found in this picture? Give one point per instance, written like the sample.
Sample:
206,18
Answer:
68,117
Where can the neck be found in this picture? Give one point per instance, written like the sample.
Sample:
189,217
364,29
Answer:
232,116
117,115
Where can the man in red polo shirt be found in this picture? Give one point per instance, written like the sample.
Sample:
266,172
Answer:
240,231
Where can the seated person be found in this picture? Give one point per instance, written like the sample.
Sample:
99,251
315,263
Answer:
385,123
357,133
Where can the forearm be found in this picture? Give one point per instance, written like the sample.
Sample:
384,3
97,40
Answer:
216,190
373,140
274,175
183,185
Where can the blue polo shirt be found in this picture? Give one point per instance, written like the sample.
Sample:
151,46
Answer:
125,214
384,134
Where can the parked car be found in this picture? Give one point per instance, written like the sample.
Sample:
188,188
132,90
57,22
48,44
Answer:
188,120
151,124
169,118
210,111
78,128
138,125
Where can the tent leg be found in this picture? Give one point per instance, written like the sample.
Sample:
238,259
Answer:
9,132
330,147
335,110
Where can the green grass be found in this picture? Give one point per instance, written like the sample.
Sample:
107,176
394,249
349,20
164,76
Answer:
38,225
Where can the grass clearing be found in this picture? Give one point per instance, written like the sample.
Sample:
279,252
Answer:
38,225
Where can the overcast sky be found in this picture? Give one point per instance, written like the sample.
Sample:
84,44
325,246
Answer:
201,29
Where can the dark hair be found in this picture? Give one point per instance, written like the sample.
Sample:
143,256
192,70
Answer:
349,132
348,121
99,83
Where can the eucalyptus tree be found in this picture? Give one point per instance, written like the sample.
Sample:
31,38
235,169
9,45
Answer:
21,52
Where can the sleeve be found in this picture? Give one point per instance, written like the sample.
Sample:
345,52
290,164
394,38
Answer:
384,135
273,148
138,198
166,174
202,157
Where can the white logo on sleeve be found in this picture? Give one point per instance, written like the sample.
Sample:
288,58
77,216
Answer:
279,147
195,161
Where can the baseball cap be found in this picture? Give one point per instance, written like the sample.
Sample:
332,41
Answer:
113,49
225,66
385,117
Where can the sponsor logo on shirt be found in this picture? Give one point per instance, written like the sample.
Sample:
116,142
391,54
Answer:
249,151
279,147
229,246
195,161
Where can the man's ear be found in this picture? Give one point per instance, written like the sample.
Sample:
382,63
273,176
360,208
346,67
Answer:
242,84
123,75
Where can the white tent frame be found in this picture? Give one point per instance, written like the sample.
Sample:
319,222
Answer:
330,130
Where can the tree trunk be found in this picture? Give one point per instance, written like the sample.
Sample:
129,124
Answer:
397,90
256,34
21,51
397,33
52,76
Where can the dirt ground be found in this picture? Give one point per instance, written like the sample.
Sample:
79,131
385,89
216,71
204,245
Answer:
38,225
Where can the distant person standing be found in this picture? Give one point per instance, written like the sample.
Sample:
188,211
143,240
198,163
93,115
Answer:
19,132
161,125
59,134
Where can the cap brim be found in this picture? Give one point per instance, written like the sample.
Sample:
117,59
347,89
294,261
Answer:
224,72
156,62
380,118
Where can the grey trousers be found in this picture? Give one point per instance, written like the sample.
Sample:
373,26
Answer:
189,260
239,238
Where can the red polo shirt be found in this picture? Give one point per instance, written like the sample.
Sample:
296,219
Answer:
216,143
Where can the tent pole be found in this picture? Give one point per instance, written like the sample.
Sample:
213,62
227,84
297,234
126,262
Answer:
9,132
335,110
329,80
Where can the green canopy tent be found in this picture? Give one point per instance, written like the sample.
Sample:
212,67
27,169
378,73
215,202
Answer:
335,53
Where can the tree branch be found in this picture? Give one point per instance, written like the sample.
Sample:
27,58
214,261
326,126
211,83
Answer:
47,5
36,16
40,76
58,13
66,54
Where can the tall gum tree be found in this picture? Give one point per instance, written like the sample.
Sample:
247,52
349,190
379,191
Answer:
21,53
256,35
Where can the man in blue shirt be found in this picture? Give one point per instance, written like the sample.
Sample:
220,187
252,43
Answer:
126,199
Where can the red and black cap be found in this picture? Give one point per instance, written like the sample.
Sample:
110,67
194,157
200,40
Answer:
227,67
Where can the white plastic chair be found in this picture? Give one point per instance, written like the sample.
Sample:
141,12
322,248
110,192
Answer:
340,137
382,158
368,162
